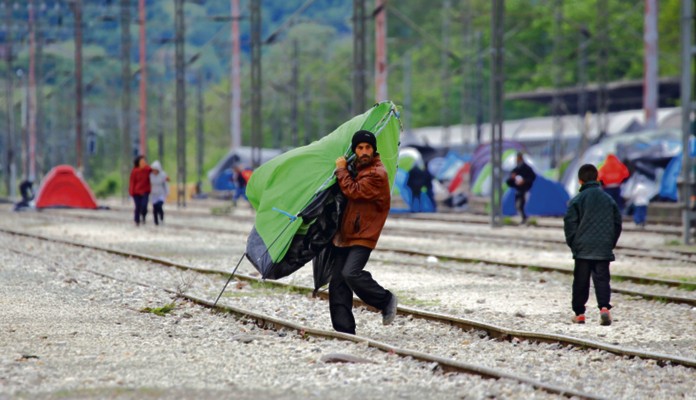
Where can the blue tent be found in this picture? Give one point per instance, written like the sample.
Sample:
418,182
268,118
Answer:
547,198
668,186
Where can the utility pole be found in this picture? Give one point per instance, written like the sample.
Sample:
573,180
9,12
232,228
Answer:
180,103
650,65
602,54
143,78
381,87
294,93
444,61
479,87
10,174
408,104
256,128
687,114
497,96
32,95
200,130
77,10
40,144
466,66
160,131
307,99
358,57
556,152
125,96
235,85
582,90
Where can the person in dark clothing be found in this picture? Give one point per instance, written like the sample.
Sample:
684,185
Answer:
421,182
368,201
26,190
521,179
592,226
139,187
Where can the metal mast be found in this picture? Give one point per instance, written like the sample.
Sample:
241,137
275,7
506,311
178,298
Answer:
77,9
235,85
32,95
180,104
358,57
200,134
650,68
9,86
497,32
602,54
556,152
380,50
256,127
143,78
444,60
125,96
687,91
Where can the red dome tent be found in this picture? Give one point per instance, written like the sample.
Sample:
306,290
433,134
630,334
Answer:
63,188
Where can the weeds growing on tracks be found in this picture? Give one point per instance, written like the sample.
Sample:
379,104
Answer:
160,311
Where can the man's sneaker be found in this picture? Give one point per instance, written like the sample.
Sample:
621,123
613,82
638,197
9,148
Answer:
604,316
579,319
389,313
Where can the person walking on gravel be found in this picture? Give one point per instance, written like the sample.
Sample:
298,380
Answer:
592,226
159,182
521,179
366,187
139,187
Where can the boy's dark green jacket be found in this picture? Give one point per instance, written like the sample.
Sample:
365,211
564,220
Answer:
592,224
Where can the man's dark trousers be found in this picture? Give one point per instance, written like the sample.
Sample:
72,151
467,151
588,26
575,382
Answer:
348,277
520,202
599,270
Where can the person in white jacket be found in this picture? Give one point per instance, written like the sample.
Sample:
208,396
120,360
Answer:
160,189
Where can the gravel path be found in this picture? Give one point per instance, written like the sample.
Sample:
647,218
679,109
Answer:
67,333
509,301
514,298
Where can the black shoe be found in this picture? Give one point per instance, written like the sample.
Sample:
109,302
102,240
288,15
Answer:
389,313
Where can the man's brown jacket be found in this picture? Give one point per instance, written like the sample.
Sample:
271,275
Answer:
369,199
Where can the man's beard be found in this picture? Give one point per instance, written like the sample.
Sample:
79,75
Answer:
365,160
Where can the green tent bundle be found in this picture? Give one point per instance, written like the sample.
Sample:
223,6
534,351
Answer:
297,201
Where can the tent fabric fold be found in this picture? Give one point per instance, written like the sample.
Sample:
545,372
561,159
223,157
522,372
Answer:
296,200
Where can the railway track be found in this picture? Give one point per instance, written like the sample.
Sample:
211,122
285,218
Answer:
491,331
642,280
541,223
268,322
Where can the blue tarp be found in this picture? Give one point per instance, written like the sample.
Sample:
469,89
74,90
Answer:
668,186
547,198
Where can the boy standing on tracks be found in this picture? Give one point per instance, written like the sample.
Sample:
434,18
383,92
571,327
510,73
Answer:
366,187
592,227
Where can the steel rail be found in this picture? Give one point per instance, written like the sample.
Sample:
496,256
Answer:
493,331
441,219
643,280
267,322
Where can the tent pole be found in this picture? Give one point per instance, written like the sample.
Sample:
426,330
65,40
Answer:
230,278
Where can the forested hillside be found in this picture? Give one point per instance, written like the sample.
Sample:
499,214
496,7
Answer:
319,43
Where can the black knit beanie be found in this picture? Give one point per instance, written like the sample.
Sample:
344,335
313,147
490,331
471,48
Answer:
363,136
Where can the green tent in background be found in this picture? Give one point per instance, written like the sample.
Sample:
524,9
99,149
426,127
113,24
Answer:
295,197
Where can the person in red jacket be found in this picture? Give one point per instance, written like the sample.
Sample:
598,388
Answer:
139,187
365,185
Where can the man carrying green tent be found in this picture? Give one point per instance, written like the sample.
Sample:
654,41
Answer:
365,184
